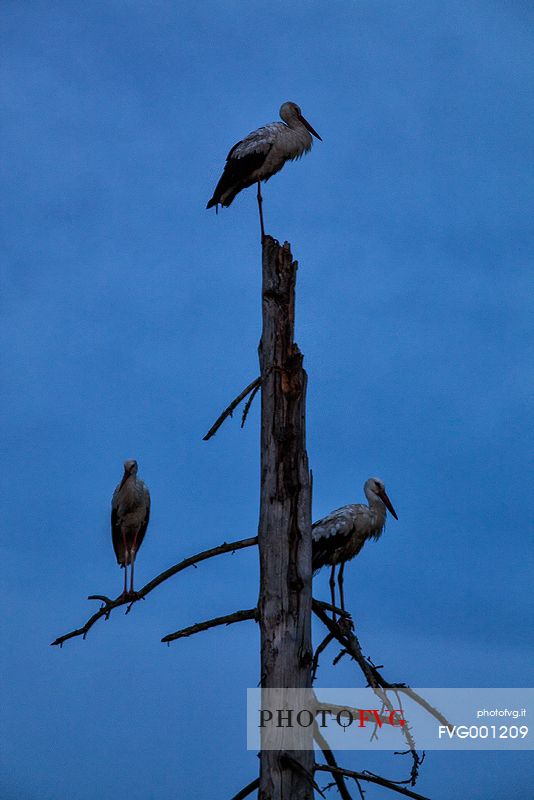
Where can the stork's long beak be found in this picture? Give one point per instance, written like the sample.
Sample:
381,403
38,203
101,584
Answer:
309,127
387,503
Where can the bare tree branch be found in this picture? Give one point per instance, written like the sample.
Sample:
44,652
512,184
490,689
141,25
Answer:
339,656
102,597
225,547
104,611
341,631
324,644
331,761
348,640
232,407
351,645
109,605
344,634
329,607
370,778
229,619
249,403
248,789
418,760
421,701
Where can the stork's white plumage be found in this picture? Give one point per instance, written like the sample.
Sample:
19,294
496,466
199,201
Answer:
341,535
130,512
262,154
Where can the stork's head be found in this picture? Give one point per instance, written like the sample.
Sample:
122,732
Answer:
291,113
130,468
374,488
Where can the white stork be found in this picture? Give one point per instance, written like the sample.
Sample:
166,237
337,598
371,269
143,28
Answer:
130,512
341,535
263,153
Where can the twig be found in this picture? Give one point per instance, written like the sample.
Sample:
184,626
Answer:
351,645
229,619
102,597
360,789
416,759
315,663
248,789
84,630
370,778
339,656
105,611
329,607
421,701
375,680
331,761
231,408
249,403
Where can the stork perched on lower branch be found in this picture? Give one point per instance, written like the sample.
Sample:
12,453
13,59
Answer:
341,535
262,154
130,512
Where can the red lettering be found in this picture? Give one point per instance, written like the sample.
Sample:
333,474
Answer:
393,721
378,718
362,713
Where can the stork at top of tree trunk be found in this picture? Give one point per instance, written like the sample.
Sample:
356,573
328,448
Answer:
262,154
130,512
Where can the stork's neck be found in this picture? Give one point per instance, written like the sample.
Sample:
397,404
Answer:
129,481
293,122
376,505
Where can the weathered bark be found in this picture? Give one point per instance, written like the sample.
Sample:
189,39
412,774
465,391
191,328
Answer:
284,535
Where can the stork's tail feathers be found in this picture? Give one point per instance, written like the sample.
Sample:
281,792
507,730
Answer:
225,197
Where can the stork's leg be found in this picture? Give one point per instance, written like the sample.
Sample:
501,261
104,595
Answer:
340,582
125,564
333,589
260,206
132,561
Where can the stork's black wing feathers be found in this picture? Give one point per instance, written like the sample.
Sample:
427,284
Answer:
144,526
329,534
323,549
236,174
116,536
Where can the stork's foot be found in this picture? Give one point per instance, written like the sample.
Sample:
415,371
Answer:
128,596
345,624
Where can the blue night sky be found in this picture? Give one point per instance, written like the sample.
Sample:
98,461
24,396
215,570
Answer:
131,316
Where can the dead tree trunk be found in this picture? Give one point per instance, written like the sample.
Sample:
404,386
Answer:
284,535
